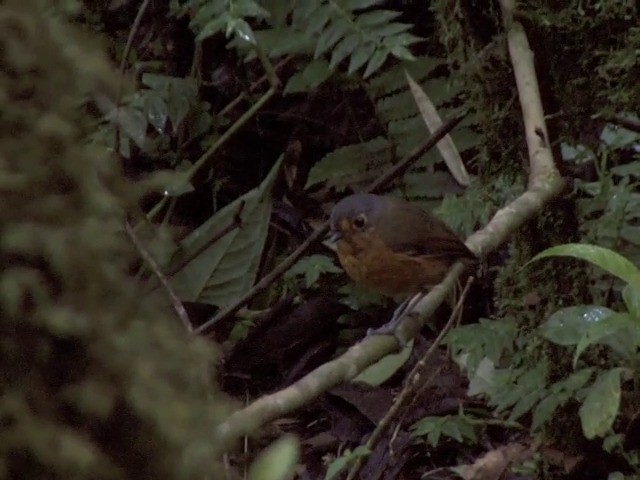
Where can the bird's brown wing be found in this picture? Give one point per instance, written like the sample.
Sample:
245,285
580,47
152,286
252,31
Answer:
408,229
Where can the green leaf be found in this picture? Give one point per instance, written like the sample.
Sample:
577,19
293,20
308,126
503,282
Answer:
313,75
360,56
383,369
311,268
222,271
560,393
600,407
568,325
214,26
156,110
335,467
342,166
344,49
330,36
375,62
243,30
347,458
319,19
177,109
376,17
361,4
402,53
457,427
482,378
276,462
604,258
391,29
618,331
631,296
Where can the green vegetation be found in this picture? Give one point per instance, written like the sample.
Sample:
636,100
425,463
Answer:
230,130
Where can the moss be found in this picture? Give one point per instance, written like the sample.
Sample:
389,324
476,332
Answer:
95,382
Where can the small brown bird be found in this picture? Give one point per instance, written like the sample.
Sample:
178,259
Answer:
392,246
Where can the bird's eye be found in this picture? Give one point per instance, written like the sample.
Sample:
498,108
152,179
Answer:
359,222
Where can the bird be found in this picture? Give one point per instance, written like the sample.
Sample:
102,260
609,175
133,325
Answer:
393,247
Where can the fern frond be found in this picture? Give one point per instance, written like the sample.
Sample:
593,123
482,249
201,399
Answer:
406,130
353,165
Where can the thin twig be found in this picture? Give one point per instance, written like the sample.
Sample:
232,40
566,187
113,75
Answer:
276,273
123,64
628,123
252,88
401,167
267,280
412,385
177,304
127,48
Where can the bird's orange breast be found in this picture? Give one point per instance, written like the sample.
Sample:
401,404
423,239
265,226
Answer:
367,260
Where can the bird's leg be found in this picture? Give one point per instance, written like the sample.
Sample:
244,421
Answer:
399,313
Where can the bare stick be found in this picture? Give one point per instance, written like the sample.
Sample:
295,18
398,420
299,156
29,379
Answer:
177,304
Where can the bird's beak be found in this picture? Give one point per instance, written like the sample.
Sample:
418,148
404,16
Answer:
333,236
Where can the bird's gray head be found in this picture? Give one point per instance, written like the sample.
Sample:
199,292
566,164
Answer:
355,213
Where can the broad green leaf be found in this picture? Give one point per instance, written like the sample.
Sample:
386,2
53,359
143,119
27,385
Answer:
277,461
613,442
383,369
568,325
224,269
632,168
604,258
631,296
156,110
600,407
177,109
483,378
618,330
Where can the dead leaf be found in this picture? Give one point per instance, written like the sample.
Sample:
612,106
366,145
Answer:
446,147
